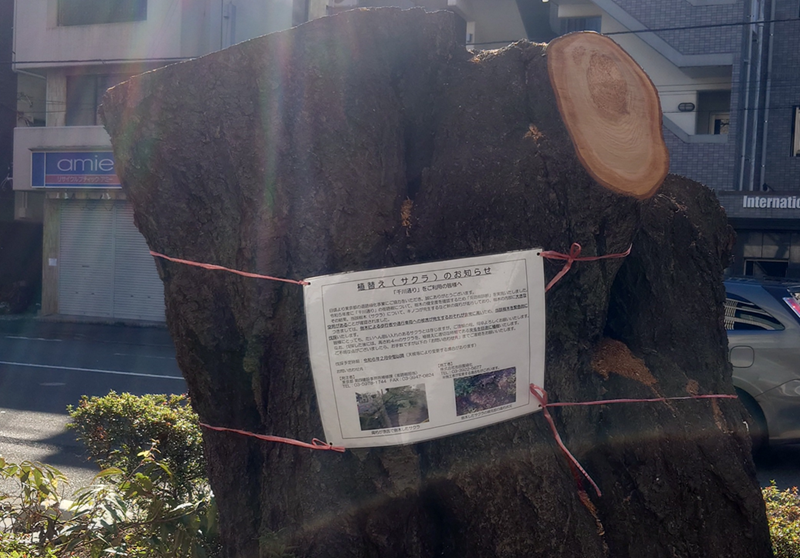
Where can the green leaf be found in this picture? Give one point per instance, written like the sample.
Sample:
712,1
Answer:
144,481
37,477
109,472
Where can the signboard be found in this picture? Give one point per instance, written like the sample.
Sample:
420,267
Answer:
406,354
759,205
771,202
73,169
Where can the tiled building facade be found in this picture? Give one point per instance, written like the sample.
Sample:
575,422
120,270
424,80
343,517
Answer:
728,74
667,14
782,172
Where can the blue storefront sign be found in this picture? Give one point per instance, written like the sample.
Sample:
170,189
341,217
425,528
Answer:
73,169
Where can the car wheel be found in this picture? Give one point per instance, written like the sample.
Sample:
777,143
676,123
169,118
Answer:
756,423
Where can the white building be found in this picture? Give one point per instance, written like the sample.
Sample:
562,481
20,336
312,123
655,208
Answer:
66,54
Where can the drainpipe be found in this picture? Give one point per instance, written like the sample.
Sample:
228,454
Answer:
756,107
767,94
747,63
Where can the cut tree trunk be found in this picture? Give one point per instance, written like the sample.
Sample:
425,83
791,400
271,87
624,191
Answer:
611,111
374,139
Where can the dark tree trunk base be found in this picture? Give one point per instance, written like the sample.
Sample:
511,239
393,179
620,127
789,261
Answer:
295,155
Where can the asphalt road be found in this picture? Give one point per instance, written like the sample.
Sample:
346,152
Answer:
45,366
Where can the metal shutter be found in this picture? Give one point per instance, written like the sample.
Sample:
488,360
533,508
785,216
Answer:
86,259
138,291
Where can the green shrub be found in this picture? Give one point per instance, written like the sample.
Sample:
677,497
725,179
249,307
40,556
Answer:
19,546
783,514
116,428
32,510
151,499
135,514
132,514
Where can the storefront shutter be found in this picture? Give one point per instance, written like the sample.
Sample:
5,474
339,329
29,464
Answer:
105,268
86,259
138,291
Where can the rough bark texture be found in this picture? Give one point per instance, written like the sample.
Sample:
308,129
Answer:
292,155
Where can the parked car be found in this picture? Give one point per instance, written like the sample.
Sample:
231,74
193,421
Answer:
763,322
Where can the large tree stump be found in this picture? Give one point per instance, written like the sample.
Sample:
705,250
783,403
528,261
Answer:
295,155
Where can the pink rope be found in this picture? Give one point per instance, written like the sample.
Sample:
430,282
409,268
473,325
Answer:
316,444
653,400
220,268
541,396
539,393
574,256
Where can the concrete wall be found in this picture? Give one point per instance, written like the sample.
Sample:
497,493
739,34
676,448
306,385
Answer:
38,37
200,27
50,249
254,19
210,25
497,23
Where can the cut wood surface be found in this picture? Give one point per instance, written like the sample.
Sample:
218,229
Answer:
612,112
299,154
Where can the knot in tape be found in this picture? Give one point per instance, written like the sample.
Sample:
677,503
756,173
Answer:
574,255
540,394
571,256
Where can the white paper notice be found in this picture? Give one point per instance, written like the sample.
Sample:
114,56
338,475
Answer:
406,354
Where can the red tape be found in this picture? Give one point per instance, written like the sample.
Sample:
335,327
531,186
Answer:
220,268
574,256
541,396
653,400
316,444
539,393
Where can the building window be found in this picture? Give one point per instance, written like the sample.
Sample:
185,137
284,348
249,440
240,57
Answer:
88,12
713,112
31,95
796,132
718,123
766,268
84,95
570,24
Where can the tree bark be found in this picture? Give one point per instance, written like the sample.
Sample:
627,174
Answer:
295,155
